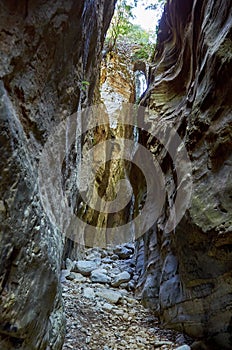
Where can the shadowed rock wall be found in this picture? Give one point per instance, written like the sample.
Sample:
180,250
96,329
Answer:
47,50
185,276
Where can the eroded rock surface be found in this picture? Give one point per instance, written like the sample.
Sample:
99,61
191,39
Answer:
48,49
185,275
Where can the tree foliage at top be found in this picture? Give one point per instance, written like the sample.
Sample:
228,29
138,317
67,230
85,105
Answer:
154,5
123,30
120,24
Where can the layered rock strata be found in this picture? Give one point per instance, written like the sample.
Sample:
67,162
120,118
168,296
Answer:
185,274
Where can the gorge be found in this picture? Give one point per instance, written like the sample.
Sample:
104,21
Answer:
53,66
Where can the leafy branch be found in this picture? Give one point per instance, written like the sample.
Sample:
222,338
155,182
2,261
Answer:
123,30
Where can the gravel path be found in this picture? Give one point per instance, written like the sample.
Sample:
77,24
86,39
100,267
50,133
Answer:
102,317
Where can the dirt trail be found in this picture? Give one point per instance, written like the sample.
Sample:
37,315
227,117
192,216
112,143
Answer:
102,317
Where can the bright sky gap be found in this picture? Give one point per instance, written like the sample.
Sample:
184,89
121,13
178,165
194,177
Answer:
147,19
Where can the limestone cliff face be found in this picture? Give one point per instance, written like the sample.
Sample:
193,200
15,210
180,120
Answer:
116,87
48,49
117,77
186,277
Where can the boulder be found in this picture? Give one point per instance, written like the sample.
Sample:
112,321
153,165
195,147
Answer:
183,347
76,277
69,264
64,274
107,307
110,295
120,278
89,293
85,267
122,252
100,276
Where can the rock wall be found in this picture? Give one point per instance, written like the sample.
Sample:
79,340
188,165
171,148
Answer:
185,275
116,87
48,49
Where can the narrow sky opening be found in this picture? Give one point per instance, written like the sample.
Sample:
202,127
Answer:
147,19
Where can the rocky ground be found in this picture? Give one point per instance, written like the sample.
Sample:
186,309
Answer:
102,312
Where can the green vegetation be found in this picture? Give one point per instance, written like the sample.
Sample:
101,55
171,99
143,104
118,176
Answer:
120,24
143,40
84,85
156,5
122,30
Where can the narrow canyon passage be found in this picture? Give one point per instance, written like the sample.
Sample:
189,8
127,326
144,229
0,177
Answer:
115,175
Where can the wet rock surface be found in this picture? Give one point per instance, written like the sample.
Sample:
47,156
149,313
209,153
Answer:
103,317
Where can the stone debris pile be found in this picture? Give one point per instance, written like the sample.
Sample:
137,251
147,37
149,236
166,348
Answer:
101,310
